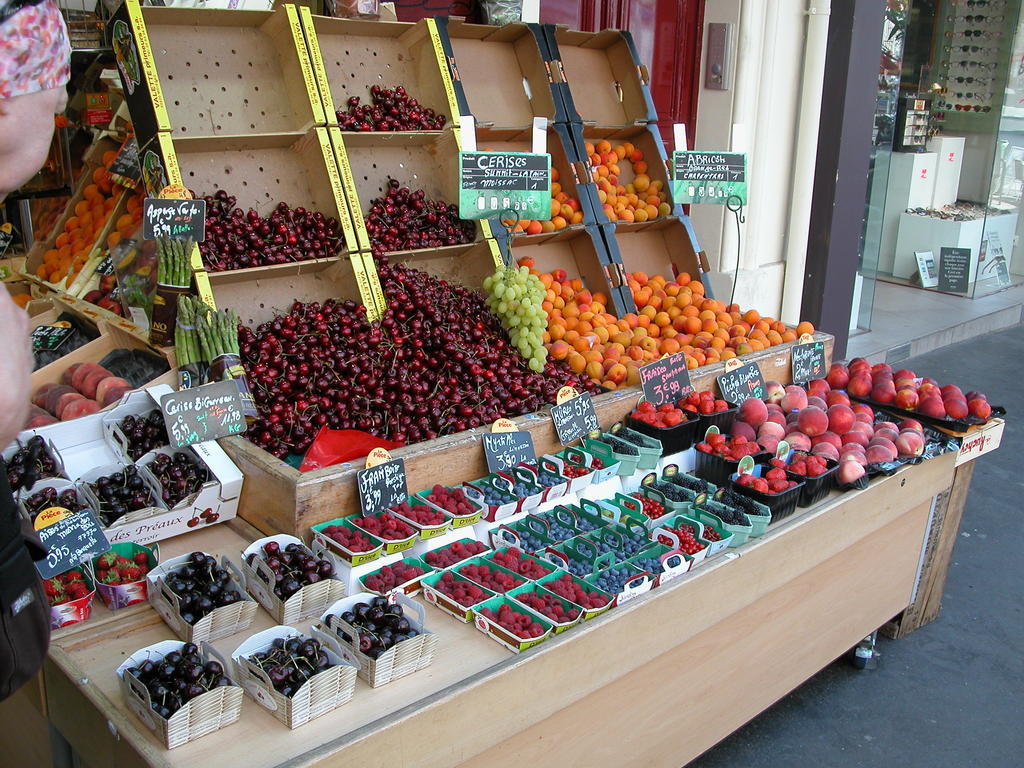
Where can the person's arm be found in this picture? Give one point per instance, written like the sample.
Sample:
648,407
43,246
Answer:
15,369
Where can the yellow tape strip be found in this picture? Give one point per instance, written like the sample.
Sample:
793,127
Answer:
349,182
340,198
319,70
145,50
442,67
308,77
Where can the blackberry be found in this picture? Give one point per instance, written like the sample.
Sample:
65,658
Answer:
670,491
631,438
618,445
695,484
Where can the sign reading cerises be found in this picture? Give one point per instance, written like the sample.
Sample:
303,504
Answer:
574,418
742,383
709,177
492,182
174,219
382,486
69,542
666,380
203,413
808,362
504,450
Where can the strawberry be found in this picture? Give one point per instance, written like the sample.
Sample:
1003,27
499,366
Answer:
141,559
131,573
51,587
109,560
77,590
73,576
123,561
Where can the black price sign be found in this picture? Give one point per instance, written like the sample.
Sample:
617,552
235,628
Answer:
71,541
574,418
382,486
174,219
808,362
504,450
741,384
666,380
106,267
203,413
51,337
126,164
954,269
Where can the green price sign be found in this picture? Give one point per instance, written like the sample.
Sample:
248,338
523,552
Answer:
709,177
493,182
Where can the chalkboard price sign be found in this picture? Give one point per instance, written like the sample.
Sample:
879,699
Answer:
382,486
492,182
70,541
174,219
203,413
504,450
742,383
51,337
709,177
666,380
808,362
954,269
574,418
126,165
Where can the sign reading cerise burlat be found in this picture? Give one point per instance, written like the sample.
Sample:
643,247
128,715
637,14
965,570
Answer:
203,413
382,486
493,182
174,219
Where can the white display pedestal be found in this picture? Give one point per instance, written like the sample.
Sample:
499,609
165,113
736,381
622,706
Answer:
949,151
924,233
911,185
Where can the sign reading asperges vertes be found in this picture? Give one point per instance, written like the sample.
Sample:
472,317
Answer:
709,177
174,219
493,182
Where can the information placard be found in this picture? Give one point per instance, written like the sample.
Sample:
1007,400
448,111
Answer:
709,177
504,450
70,541
954,269
666,380
203,413
808,362
574,418
742,383
493,182
174,219
382,486
51,337
125,168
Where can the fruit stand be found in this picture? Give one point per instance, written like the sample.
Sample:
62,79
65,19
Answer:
454,604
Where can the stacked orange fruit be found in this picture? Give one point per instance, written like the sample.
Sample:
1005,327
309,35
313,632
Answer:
73,245
641,198
565,210
673,316
127,223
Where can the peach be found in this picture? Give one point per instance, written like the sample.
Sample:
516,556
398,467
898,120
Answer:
906,399
819,387
794,399
979,408
887,425
849,471
932,407
827,437
798,441
742,428
837,397
773,407
851,449
774,391
860,362
883,393
865,409
859,386
951,389
776,417
876,454
838,376
840,418
904,373
911,424
827,450
753,412
857,438
771,429
862,418
812,421
884,443
769,443
883,369
956,408
931,383
975,394
817,402
888,434
909,443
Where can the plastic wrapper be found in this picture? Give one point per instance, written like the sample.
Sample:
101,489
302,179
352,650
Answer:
135,263
230,367
134,365
334,446
354,9
500,12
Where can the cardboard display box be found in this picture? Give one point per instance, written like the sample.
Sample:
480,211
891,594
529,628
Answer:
500,76
88,443
665,246
603,84
351,55
204,72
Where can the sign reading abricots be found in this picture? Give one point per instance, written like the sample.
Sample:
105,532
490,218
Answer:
203,413
741,383
174,219
574,418
70,541
504,450
493,182
709,177
666,380
808,362
382,486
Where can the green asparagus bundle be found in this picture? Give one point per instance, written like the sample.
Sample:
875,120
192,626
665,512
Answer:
218,333
174,265
186,337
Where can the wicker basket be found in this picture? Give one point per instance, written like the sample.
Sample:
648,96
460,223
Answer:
220,622
308,602
322,693
398,661
202,715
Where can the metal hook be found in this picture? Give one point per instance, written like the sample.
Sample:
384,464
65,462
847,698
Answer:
509,224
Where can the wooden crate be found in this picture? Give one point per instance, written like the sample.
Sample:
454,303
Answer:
277,498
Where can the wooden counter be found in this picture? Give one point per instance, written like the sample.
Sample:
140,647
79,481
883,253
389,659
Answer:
748,626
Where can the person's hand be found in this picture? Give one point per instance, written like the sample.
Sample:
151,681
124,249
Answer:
15,369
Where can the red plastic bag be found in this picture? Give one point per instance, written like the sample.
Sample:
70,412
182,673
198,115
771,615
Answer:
334,446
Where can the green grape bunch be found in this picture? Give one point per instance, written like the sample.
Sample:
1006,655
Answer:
515,296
